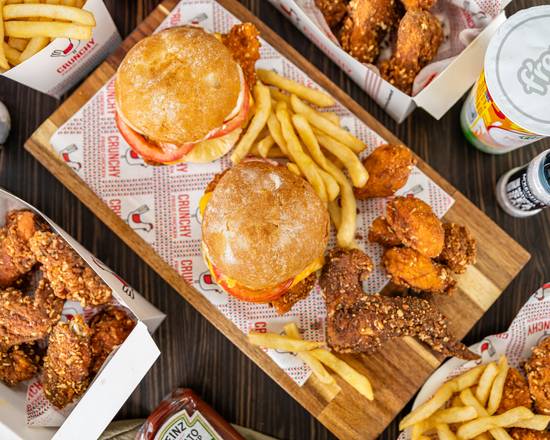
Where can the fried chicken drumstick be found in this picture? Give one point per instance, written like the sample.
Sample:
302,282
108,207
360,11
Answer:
67,362
70,277
418,38
358,322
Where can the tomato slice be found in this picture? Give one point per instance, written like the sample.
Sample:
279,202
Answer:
237,122
250,295
149,150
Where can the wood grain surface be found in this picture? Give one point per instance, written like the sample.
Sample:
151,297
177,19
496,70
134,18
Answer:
194,353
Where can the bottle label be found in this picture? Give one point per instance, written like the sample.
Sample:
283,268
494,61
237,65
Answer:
519,193
489,125
182,426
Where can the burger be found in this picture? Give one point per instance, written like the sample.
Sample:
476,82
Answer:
182,96
264,233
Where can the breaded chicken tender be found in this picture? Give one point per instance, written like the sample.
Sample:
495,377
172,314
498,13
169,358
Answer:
296,293
366,25
18,364
528,434
409,268
381,232
515,392
243,43
538,376
416,225
333,11
418,38
460,248
69,276
67,363
418,4
389,167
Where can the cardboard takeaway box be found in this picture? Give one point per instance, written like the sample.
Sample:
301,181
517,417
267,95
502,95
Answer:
436,98
64,62
119,376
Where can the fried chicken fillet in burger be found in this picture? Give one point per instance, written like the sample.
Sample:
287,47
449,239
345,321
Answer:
264,233
181,94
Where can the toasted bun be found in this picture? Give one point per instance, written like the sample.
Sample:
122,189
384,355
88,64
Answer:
178,85
264,225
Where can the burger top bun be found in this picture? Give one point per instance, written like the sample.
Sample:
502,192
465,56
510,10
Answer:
264,225
177,85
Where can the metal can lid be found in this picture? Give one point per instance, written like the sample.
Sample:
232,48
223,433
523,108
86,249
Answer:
517,69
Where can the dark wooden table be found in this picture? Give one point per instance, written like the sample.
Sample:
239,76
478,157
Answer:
194,353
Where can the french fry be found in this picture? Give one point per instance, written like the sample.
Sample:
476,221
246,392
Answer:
453,415
332,117
3,60
52,12
326,126
314,96
275,131
51,29
316,366
304,162
484,436
429,407
444,432
258,122
473,428
468,379
35,45
486,382
265,145
277,95
69,2
358,173
293,168
418,429
538,422
498,386
351,376
335,213
468,398
18,43
331,186
278,342
12,55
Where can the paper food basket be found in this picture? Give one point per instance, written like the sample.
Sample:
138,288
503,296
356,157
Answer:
64,62
443,90
110,388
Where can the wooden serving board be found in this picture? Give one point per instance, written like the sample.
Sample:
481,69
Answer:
401,368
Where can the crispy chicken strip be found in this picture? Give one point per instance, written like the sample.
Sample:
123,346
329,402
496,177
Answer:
460,248
243,43
365,27
389,167
294,294
418,4
528,434
409,268
515,393
18,364
27,318
418,38
109,328
333,11
359,322
381,232
16,259
67,363
416,225
538,376
69,276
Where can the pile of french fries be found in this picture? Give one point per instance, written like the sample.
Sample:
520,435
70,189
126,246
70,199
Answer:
283,125
316,357
28,26
465,406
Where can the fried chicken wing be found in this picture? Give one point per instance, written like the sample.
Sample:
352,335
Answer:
389,167
366,25
243,43
359,322
515,393
69,276
538,376
409,268
67,363
16,259
333,11
18,364
381,232
419,36
109,329
416,225
27,318
528,434
460,248
294,294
